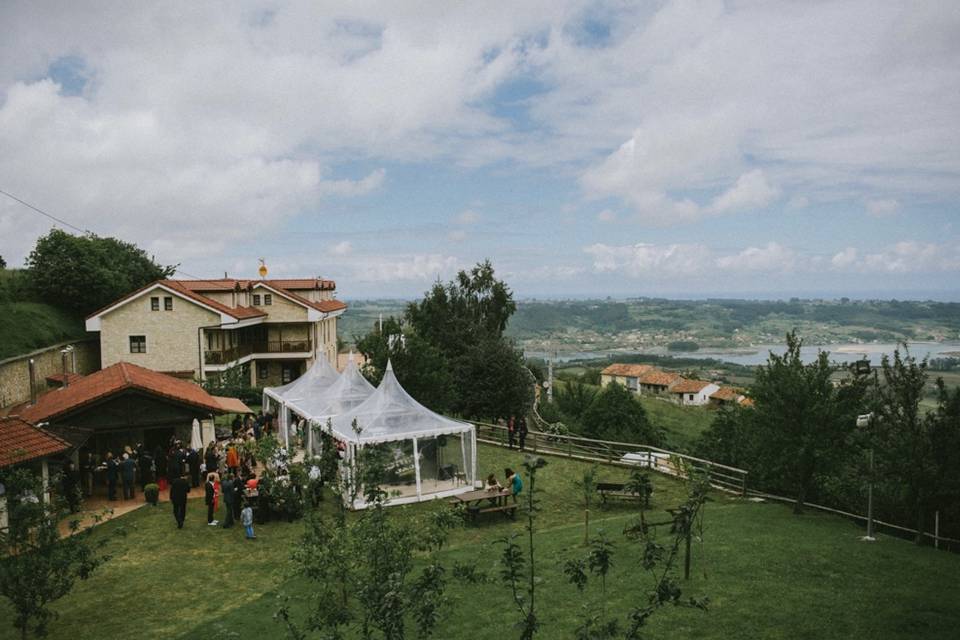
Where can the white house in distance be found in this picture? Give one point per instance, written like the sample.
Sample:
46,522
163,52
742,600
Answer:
693,392
626,374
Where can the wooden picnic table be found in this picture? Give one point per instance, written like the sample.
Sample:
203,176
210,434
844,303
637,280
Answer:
486,501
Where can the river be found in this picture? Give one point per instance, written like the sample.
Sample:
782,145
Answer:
757,354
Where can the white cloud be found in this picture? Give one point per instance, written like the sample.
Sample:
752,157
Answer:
417,267
772,258
607,216
342,248
844,259
641,259
884,207
751,191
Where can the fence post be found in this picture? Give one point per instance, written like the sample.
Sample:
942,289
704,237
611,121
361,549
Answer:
569,448
936,529
743,485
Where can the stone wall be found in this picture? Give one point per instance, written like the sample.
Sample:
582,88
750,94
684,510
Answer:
15,372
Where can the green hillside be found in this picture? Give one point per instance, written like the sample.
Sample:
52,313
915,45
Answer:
28,326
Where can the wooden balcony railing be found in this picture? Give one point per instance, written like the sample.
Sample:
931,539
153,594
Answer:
230,354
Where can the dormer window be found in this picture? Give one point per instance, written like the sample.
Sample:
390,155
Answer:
256,299
168,303
267,299
154,304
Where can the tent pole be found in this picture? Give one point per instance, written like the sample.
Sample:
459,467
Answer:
416,466
473,455
463,454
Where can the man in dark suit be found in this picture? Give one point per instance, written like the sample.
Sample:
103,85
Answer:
193,461
227,488
179,489
113,473
208,498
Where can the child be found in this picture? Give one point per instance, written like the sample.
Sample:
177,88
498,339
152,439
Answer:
246,519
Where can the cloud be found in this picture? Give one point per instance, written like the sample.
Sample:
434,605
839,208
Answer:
607,216
882,208
468,217
751,191
773,257
342,248
416,267
457,235
844,259
641,259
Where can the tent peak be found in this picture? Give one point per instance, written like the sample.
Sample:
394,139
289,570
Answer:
389,365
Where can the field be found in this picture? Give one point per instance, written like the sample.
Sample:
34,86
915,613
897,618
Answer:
768,574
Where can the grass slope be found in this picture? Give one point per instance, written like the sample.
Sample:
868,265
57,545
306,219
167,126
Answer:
769,574
682,425
31,325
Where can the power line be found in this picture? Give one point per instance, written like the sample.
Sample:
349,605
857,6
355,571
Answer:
44,213
85,231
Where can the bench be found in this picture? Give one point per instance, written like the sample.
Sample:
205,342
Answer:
509,509
615,490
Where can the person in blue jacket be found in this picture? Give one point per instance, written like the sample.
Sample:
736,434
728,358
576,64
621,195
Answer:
513,482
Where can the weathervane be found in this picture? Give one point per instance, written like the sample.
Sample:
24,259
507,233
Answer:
263,268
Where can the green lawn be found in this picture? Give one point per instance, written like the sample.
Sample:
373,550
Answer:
681,425
769,574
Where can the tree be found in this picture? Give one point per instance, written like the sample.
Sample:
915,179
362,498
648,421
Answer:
495,381
906,439
944,428
728,440
84,273
615,414
3,263
802,420
574,398
37,565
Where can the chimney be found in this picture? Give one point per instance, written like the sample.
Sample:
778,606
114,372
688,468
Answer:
33,381
63,359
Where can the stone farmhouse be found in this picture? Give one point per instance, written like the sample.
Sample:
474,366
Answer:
646,380
273,329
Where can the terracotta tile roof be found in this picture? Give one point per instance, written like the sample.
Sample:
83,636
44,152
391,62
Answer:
627,370
688,386
21,441
726,394
239,313
659,378
114,379
291,284
57,378
745,402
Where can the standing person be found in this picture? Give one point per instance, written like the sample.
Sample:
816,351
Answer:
179,489
113,471
233,458
69,488
229,497
144,464
212,459
246,519
236,425
511,431
522,430
514,483
160,465
193,461
209,496
129,472
86,473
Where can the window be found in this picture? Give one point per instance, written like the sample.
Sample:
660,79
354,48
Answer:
138,344
289,372
267,299
154,304
690,397
167,303
256,299
263,370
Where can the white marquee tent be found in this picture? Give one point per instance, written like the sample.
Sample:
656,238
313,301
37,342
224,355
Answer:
432,456
349,391
313,382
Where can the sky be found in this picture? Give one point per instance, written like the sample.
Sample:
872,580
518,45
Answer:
679,148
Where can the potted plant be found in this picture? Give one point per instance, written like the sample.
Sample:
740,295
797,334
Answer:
151,493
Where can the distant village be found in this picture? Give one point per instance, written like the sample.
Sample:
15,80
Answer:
647,380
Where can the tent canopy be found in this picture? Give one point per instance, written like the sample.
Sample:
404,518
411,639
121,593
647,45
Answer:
348,392
315,380
391,414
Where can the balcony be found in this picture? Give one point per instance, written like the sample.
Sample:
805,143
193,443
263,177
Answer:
232,354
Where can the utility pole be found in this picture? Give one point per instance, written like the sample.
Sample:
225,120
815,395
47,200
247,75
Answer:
862,422
550,378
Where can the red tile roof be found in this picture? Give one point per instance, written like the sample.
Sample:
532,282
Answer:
291,284
239,313
726,394
659,378
115,379
21,441
627,370
688,386
57,378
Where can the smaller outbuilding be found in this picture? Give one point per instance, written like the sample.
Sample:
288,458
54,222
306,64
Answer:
693,392
23,443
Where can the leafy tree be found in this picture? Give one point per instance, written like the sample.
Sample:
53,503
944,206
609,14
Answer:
3,263
85,273
913,449
944,429
588,485
38,566
615,414
496,382
574,398
519,567
802,420
728,440
599,561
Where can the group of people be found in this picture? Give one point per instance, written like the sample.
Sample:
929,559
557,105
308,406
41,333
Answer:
512,480
517,430
237,500
256,427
